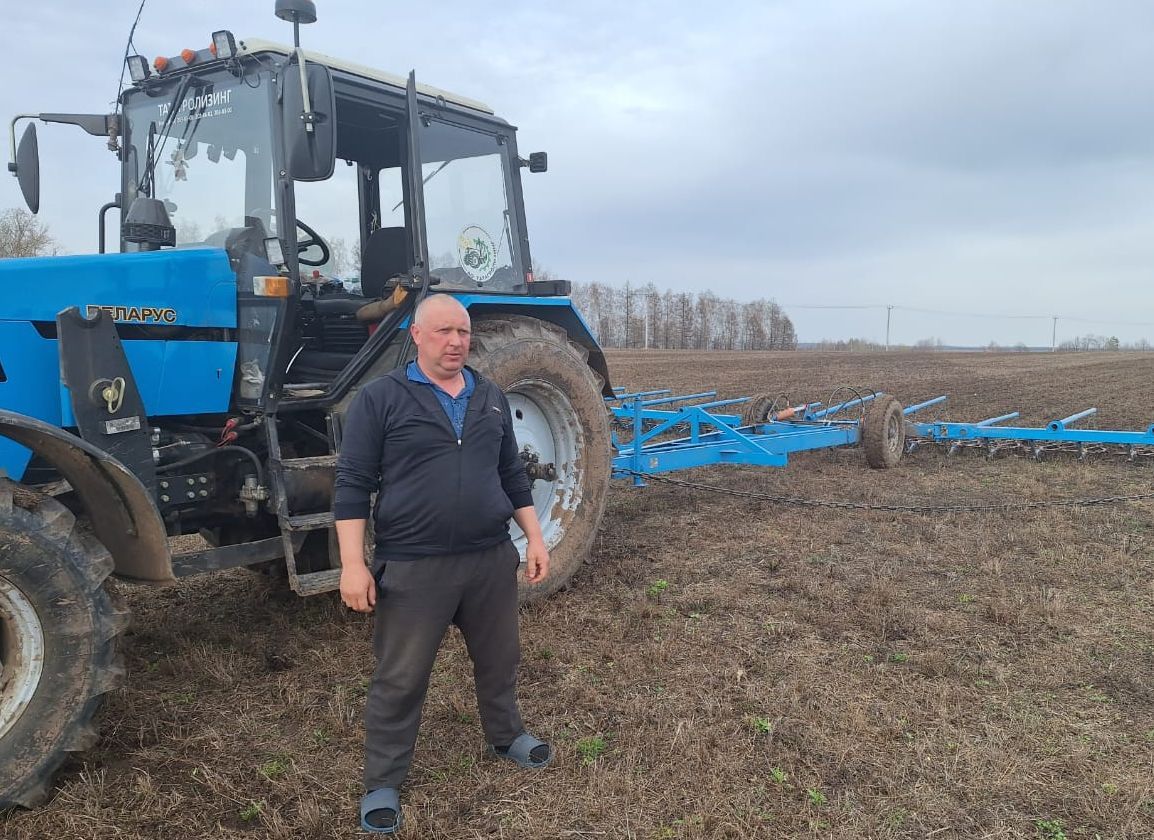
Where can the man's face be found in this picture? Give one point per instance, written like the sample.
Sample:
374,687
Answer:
442,340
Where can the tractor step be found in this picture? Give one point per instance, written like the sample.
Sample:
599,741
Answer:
310,521
315,583
311,463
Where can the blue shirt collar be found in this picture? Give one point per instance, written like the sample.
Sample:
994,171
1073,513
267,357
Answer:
414,373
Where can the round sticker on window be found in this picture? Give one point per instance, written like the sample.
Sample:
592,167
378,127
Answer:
477,253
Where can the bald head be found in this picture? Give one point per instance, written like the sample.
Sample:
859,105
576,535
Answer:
442,331
435,306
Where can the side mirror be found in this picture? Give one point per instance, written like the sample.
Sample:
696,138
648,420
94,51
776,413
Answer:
310,155
27,168
539,162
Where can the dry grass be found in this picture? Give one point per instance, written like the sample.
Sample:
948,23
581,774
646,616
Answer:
799,674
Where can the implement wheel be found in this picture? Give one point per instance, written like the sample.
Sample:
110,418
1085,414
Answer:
58,634
756,411
883,433
560,417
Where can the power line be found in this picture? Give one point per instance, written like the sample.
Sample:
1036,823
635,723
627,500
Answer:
1110,323
970,314
1003,316
832,306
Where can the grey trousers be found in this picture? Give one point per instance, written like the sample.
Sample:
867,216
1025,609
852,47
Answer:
417,600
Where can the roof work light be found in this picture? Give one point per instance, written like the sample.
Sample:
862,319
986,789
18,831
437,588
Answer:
138,68
223,44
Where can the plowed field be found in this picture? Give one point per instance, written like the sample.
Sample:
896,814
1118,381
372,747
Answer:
723,667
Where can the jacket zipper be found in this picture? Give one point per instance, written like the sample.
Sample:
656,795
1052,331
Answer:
460,469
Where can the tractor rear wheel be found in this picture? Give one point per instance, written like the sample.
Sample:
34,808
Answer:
883,433
559,416
58,641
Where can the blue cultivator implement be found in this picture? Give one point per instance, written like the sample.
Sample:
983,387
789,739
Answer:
656,432
663,433
1055,436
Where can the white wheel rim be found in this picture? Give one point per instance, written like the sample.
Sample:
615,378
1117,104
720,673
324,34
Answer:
546,425
893,432
21,654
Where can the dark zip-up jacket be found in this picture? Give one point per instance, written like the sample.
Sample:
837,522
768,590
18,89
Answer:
436,493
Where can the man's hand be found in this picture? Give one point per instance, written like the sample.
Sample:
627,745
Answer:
536,561
358,589
536,555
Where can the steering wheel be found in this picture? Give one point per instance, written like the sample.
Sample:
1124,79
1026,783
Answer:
314,239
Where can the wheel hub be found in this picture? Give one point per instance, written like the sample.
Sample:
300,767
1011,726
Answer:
21,654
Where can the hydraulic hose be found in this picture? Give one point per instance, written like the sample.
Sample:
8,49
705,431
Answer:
248,453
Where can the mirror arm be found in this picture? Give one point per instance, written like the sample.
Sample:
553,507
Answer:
98,125
12,137
308,115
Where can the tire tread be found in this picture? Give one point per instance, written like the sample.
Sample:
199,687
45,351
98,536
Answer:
91,563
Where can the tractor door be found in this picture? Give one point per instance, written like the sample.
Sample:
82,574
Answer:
416,189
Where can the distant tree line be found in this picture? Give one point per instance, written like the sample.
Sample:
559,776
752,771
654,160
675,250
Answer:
643,316
1086,342
1102,342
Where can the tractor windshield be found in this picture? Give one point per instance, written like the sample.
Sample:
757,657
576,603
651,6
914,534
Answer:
469,224
203,146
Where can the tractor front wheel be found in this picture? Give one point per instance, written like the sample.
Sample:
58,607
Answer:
58,632
559,418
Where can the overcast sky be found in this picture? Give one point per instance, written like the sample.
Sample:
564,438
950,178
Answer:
977,156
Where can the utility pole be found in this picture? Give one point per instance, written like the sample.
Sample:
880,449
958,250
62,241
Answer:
889,312
1054,337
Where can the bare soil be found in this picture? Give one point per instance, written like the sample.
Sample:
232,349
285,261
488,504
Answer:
722,668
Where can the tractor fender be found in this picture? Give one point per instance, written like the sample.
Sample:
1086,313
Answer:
121,511
558,311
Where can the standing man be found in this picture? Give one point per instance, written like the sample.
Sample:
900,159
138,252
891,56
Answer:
435,441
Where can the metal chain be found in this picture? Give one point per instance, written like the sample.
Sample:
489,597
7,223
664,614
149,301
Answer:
796,501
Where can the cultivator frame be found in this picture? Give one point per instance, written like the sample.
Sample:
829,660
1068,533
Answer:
665,432
718,438
1057,435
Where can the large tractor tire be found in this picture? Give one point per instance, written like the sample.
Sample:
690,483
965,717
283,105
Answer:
58,641
560,416
883,433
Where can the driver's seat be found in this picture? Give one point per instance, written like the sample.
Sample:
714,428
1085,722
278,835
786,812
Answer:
386,256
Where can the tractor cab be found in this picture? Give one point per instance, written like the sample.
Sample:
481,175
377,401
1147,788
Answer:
327,184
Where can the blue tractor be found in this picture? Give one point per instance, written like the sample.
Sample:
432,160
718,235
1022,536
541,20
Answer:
175,407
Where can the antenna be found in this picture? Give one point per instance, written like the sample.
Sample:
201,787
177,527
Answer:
297,12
